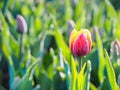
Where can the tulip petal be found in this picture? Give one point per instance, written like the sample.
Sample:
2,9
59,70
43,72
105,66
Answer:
73,35
81,45
87,33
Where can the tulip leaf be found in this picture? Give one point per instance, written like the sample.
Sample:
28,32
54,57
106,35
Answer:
116,29
14,44
74,75
62,45
97,16
100,57
67,71
110,73
2,88
5,39
86,78
6,47
81,21
23,84
110,9
79,9
92,87
80,78
12,75
68,12
5,7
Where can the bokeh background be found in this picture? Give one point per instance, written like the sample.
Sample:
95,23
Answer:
45,61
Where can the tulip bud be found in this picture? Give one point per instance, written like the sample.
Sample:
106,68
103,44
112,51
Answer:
94,29
80,42
71,25
21,24
119,80
115,48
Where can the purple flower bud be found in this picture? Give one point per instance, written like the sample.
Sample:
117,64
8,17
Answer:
21,24
94,29
115,49
71,25
119,80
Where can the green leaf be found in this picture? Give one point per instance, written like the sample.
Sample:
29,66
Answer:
100,56
6,48
79,9
116,28
74,75
62,45
86,78
12,75
110,73
5,37
93,87
5,7
80,78
104,85
14,45
39,9
68,10
98,15
2,88
10,18
110,9
24,82
67,72
80,23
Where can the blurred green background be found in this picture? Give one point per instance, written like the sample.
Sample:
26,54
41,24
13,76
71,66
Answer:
46,61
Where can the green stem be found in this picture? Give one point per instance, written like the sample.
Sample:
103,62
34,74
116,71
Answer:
79,63
21,47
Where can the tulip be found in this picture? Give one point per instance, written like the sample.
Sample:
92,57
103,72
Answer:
21,24
21,28
80,42
115,48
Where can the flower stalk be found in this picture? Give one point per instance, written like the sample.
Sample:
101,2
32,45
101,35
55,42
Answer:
21,47
21,29
79,63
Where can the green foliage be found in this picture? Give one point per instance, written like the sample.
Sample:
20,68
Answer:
62,46
110,73
25,83
80,80
101,57
47,62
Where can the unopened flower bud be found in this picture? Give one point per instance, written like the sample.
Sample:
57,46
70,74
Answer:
80,42
119,80
115,48
94,29
21,24
71,25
